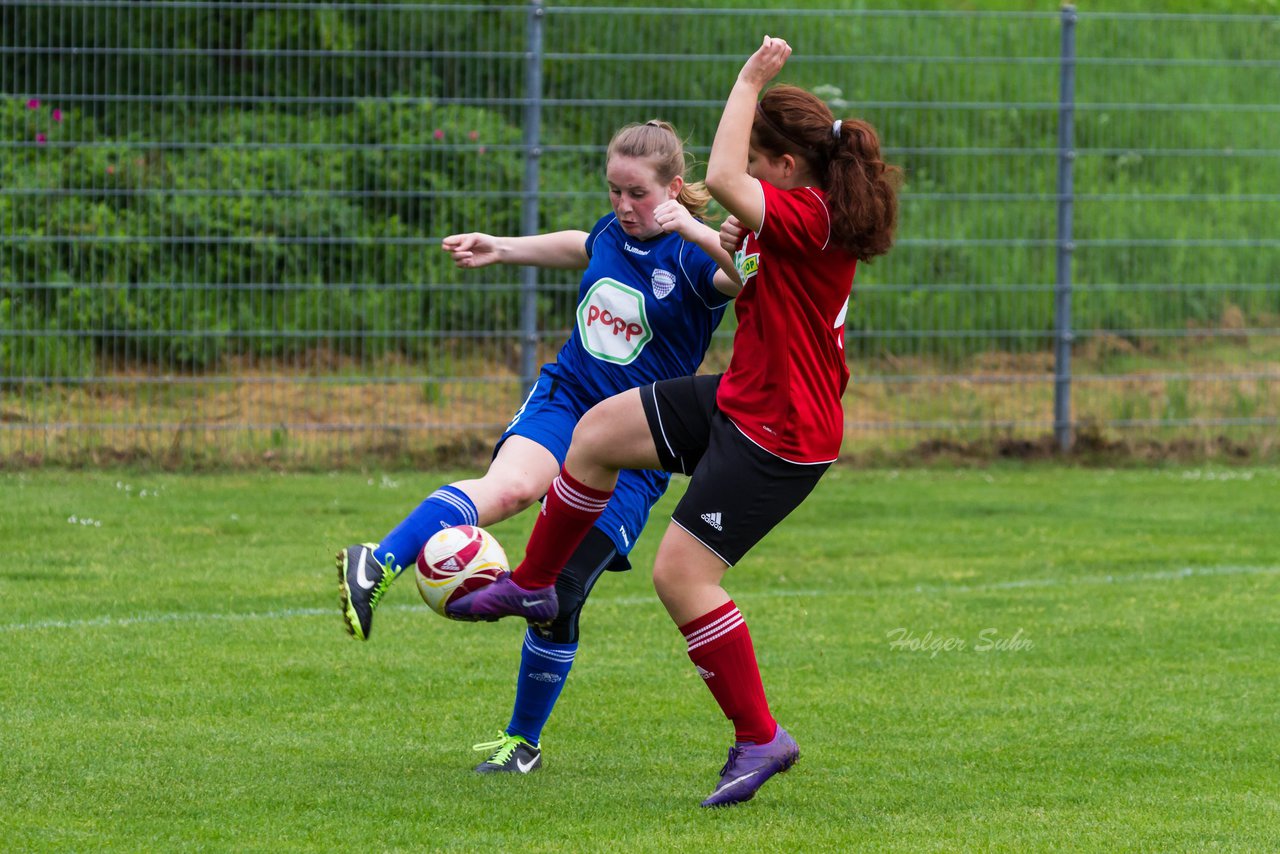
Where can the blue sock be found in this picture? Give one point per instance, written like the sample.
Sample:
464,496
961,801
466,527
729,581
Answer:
446,507
543,668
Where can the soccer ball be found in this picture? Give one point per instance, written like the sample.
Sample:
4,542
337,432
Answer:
455,562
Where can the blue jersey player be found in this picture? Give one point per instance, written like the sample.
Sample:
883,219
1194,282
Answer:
655,286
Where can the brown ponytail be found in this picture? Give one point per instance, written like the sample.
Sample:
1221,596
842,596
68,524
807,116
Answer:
861,189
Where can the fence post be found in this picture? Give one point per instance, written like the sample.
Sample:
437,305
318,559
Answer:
1062,291
529,196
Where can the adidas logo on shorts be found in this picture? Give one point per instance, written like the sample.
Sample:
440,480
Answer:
712,519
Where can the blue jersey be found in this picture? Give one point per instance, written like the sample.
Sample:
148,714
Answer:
646,311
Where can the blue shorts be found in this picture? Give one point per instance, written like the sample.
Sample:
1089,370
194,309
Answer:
548,416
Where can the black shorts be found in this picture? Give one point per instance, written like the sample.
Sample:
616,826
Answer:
739,491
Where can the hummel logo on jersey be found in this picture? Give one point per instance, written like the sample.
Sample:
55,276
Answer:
633,250
703,672
712,519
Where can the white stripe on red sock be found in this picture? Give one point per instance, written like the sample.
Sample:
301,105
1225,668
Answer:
577,500
717,628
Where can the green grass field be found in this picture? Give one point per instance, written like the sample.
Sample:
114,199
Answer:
176,675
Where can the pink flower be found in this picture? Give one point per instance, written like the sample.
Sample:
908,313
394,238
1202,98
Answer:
480,150
474,135
111,170
439,134
41,138
33,104
57,115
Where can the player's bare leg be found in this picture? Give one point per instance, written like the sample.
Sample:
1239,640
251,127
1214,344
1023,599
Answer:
613,435
518,476
688,576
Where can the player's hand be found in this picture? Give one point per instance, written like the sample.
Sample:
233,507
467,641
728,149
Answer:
471,250
673,216
765,63
731,233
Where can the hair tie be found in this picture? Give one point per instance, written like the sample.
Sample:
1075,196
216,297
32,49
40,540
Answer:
835,128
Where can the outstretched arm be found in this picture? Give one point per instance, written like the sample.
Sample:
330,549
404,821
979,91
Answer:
673,216
727,177
565,250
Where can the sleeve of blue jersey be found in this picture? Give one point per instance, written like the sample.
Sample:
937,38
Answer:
601,224
699,270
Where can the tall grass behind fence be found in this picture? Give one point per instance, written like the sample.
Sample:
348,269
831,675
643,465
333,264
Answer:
222,225
219,222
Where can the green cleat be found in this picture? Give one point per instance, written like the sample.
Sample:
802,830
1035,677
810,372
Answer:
511,754
361,583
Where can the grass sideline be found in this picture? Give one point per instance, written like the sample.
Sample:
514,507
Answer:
177,677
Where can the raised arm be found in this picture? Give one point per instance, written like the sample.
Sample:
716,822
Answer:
727,176
564,250
673,216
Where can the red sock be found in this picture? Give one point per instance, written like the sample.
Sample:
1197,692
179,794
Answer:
720,647
568,513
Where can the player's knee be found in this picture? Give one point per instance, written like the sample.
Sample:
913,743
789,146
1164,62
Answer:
586,441
666,581
513,495
594,434
570,594
563,630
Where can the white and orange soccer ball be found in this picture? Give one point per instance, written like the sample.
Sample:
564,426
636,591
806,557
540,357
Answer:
456,561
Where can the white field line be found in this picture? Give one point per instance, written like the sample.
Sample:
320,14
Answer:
1169,575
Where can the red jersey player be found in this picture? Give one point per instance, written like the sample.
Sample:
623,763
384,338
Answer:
809,196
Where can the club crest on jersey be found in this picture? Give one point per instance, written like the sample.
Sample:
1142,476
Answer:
663,282
748,265
612,322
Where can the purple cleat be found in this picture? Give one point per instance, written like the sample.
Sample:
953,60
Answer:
505,598
749,766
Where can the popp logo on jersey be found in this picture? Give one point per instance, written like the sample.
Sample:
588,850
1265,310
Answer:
748,265
612,322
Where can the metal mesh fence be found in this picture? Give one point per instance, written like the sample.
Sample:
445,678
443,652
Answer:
220,221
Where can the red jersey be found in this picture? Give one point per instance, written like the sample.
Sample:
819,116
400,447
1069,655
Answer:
787,372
